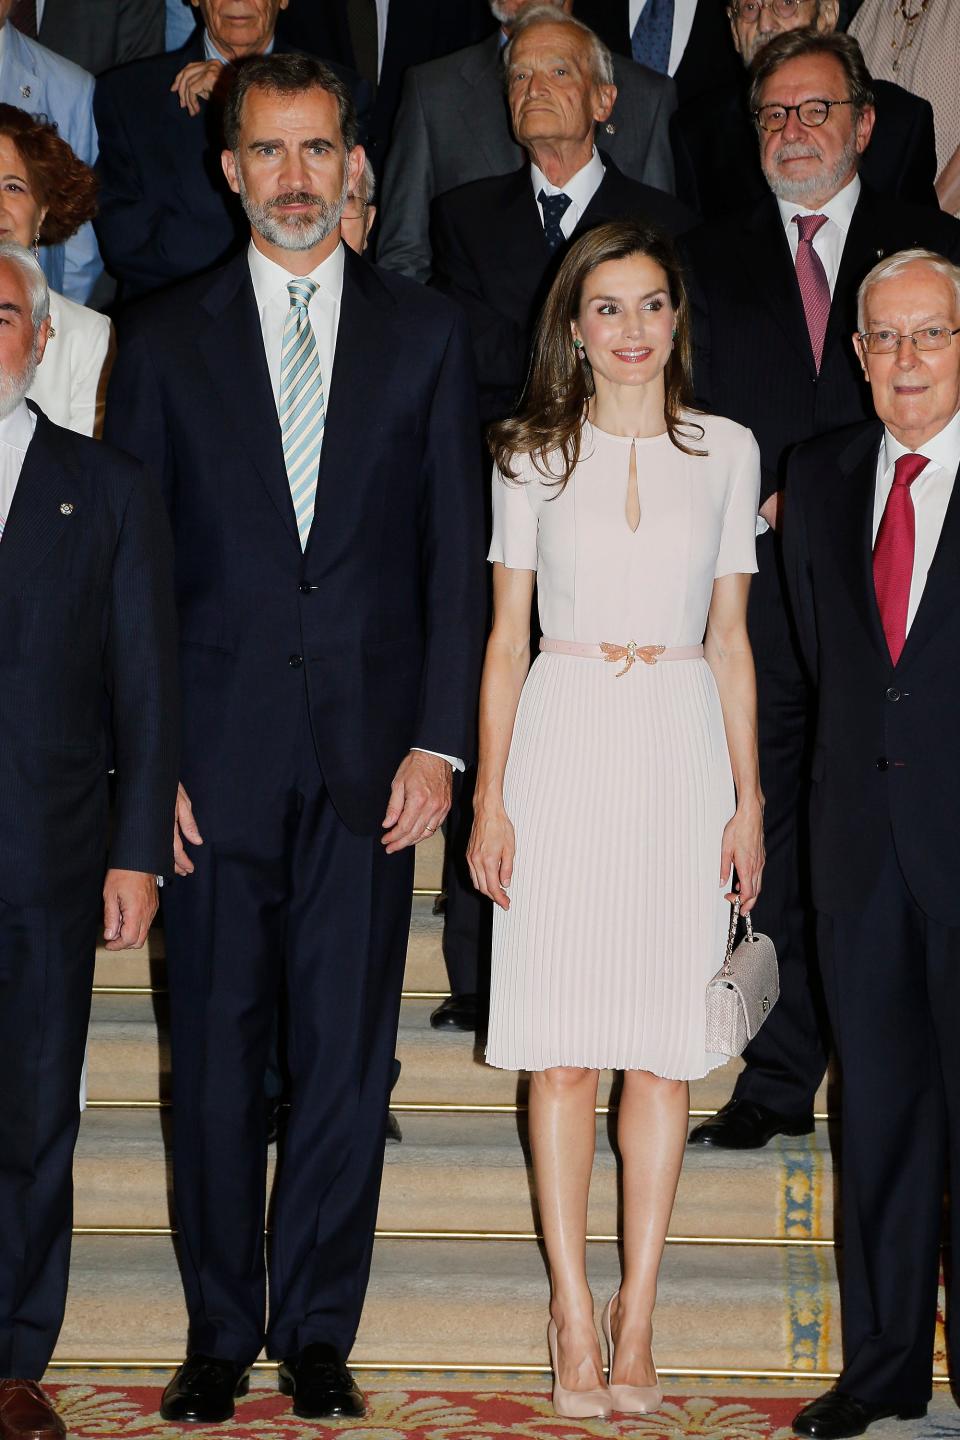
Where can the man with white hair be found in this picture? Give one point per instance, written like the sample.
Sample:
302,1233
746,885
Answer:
88,658
715,144
773,295
871,539
453,126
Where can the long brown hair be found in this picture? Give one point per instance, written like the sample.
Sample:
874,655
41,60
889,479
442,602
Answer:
553,407
59,179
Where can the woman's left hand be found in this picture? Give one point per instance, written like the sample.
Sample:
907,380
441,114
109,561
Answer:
742,850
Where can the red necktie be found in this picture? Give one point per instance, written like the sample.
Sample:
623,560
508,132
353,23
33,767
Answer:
893,553
812,279
23,14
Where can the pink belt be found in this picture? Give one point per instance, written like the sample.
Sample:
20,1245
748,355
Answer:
631,652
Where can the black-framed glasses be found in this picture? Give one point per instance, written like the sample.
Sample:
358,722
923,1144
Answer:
888,342
809,112
750,9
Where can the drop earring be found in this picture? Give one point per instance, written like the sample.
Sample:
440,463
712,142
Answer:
36,246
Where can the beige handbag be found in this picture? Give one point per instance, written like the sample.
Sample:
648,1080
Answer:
744,990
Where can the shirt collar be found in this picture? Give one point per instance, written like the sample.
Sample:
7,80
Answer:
941,449
270,279
16,429
839,208
581,187
212,53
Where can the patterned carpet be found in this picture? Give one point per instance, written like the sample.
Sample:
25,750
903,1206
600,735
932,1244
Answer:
98,1411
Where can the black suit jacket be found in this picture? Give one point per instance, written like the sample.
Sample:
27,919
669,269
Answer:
753,361
717,157
382,616
491,256
86,612
708,60
96,34
166,211
417,30
887,753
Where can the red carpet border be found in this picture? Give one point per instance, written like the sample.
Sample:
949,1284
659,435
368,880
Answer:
100,1411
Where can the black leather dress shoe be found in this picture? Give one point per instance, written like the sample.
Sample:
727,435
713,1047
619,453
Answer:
457,1012
394,1133
203,1391
744,1125
834,1416
321,1385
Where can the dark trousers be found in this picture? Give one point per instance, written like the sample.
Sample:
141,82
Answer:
296,895
892,984
46,975
468,915
786,1061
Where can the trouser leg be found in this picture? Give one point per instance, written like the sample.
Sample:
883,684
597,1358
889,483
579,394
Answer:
468,919
46,975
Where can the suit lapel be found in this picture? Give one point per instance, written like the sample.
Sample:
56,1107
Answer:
774,277
36,522
851,529
860,252
234,331
939,598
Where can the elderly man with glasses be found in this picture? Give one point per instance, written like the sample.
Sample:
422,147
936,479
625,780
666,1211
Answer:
714,139
773,293
870,543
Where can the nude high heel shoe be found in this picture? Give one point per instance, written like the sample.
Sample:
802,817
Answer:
629,1399
575,1404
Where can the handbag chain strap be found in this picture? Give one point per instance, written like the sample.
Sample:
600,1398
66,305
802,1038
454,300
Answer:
732,935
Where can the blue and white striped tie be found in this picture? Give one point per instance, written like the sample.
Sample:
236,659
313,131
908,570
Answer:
302,412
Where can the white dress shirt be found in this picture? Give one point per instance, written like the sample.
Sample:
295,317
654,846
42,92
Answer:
683,13
580,188
930,493
830,238
273,304
382,7
16,432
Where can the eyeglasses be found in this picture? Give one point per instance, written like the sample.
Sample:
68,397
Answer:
750,9
888,342
809,112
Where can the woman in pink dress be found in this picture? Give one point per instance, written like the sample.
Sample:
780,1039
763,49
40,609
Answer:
617,788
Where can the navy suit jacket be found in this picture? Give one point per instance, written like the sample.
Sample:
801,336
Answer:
382,616
887,753
86,612
166,211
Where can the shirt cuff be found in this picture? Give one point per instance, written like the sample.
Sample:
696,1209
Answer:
453,760
762,526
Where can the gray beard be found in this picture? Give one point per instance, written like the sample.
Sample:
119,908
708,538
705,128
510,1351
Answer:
795,192
14,387
298,232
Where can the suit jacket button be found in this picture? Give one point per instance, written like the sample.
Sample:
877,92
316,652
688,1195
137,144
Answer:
306,589
893,693
882,763
297,660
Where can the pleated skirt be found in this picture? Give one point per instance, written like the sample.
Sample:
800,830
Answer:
618,790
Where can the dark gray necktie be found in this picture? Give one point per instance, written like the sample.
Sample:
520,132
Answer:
653,35
554,209
362,18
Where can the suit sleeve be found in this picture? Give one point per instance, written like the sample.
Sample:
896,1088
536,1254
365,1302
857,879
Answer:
797,568
658,169
141,670
408,187
919,170
134,418
140,29
687,186
452,537
499,343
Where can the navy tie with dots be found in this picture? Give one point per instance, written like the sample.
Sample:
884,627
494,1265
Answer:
554,209
653,35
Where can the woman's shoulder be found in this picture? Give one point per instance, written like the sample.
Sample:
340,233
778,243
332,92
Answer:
721,439
70,318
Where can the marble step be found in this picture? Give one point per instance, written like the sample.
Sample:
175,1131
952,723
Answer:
456,1173
485,1304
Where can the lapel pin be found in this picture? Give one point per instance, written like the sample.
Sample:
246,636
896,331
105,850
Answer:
66,507
610,128
25,91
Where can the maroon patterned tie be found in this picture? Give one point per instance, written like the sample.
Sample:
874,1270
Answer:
812,279
23,14
893,552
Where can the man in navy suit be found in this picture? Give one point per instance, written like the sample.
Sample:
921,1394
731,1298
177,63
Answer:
88,659
313,421
871,539
166,211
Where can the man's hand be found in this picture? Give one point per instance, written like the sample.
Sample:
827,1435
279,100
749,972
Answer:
195,82
419,800
129,905
184,828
